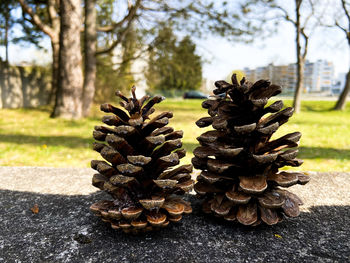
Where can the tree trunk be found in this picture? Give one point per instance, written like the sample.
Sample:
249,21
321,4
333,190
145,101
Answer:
90,55
7,64
300,61
299,85
68,103
6,40
55,67
55,45
341,103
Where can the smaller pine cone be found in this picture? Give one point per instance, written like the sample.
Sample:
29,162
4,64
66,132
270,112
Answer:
139,171
240,179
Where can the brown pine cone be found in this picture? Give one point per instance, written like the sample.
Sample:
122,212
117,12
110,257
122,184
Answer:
240,179
139,172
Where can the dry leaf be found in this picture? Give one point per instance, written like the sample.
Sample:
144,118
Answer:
35,209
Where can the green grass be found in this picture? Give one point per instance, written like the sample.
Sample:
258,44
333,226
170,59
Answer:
28,137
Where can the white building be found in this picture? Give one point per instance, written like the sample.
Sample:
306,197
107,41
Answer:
318,76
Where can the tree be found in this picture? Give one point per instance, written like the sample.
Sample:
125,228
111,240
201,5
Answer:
343,23
6,22
160,74
145,15
51,27
173,65
188,65
66,59
124,70
90,36
300,50
115,75
68,102
46,19
304,21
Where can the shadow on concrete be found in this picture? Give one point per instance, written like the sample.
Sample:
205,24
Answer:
65,231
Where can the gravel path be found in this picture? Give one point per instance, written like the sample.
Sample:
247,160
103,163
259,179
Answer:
65,231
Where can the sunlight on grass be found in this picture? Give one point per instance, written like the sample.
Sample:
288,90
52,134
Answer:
30,138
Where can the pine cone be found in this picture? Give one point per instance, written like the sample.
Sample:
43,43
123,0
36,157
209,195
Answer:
240,179
140,153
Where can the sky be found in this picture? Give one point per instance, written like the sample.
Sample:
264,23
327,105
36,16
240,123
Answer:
222,57
280,49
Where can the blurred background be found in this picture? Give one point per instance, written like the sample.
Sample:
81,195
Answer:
59,59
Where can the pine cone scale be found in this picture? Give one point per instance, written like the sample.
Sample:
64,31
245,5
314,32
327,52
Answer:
238,197
269,216
247,214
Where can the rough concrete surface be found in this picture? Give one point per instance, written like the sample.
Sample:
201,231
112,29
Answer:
65,231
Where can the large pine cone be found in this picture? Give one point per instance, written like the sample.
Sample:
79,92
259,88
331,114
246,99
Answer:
240,179
140,153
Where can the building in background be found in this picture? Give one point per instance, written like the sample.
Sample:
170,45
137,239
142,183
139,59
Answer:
318,76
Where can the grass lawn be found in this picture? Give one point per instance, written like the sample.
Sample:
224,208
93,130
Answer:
28,137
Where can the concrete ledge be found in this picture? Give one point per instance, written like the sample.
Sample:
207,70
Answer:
65,231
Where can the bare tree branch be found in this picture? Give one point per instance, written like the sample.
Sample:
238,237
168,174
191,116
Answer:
306,39
341,28
35,19
114,43
140,54
52,10
54,18
286,15
130,16
311,14
345,9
